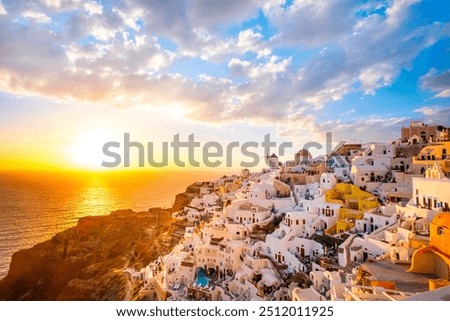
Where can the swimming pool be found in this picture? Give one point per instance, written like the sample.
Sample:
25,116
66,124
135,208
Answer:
201,278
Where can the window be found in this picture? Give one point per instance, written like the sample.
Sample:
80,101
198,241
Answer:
440,231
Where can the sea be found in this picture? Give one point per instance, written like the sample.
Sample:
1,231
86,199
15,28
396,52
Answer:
34,206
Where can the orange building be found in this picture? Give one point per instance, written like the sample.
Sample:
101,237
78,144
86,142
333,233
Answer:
435,258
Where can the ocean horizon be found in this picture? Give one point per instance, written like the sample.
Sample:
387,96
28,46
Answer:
36,206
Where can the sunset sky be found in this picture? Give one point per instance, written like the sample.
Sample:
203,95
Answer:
76,74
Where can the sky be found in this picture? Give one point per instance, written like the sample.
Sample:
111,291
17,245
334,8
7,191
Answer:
77,74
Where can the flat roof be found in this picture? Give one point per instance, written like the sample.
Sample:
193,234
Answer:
440,294
386,270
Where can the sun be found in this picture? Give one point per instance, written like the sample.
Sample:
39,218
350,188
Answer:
87,150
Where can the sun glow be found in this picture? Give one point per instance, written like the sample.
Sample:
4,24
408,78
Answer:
87,150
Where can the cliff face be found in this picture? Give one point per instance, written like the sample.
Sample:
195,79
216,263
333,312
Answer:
183,199
87,262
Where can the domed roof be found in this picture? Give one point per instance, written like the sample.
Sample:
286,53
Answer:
304,153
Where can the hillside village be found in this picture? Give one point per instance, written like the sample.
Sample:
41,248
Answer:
367,222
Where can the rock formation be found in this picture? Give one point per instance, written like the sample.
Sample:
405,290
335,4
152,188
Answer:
87,262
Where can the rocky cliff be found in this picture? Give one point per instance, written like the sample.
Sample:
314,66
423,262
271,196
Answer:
87,262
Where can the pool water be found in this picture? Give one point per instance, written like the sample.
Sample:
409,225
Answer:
202,279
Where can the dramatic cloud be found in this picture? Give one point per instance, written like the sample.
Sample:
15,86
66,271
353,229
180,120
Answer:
436,114
306,128
436,82
213,13
311,22
268,62
368,58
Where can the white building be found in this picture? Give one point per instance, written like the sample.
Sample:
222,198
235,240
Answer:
370,168
243,212
273,161
323,281
267,195
432,191
376,218
340,167
221,257
368,177
309,294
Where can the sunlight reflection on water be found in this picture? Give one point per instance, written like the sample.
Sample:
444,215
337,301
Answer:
33,209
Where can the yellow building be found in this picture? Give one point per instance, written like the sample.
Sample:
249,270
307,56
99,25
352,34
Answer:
435,258
354,203
433,154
